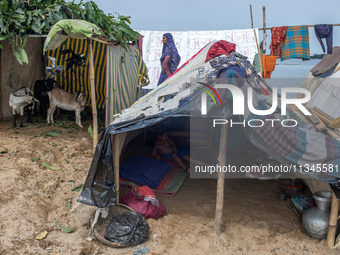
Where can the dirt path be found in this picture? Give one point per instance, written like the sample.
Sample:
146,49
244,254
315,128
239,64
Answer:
33,198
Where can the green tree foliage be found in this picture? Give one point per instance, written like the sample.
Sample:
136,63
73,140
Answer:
19,18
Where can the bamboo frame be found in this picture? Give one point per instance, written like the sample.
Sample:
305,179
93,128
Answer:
257,43
333,220
93,95
116,155
264,30
222,160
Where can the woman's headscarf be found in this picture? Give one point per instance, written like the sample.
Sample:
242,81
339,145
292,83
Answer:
169,49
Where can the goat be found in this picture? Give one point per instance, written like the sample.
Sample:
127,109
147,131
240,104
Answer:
19,99
67,101
40,89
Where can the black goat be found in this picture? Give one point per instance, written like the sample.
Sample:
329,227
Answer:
40,89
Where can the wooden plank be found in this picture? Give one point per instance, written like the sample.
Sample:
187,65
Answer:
323,113
116,155
222,160
333,220
320,125
331,133
93,95
313,120
321,117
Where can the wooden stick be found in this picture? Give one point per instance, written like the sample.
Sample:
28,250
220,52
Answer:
323,113
331,133
222,160
257,43
93,95
297,213
116,155
264,29
321,117
251,16
333,220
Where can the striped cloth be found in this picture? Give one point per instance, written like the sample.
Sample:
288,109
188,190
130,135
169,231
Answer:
78,78
296,44
126,74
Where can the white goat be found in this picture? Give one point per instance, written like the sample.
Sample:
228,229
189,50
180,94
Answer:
18,100
67,101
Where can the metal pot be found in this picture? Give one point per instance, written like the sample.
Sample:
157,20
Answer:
315,220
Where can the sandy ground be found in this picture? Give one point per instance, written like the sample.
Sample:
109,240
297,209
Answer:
33,198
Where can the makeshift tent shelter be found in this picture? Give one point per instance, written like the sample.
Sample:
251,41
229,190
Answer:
79,29
292,146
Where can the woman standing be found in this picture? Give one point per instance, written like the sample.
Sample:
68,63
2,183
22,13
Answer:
169,59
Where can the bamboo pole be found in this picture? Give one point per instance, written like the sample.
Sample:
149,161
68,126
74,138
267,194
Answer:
116,154
93,95
264,29
257,43
333,220
251,16
222,160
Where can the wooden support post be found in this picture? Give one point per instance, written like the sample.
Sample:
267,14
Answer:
222,160
257,43
93,95
58,86
116,155
333,220
264,30
251,16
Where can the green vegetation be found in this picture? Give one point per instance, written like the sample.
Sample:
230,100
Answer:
19,18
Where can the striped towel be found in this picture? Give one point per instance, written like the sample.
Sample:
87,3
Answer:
296,44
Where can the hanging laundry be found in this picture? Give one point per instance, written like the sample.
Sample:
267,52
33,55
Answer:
325,31
278,37
220,48
268,65
296,44
256,61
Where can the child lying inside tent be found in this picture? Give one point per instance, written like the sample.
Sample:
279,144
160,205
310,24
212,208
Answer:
170,151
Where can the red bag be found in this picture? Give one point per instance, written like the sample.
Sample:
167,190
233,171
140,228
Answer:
143,200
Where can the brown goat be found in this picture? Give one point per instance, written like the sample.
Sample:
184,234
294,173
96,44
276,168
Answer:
67,101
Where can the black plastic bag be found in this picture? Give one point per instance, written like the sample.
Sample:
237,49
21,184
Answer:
129,228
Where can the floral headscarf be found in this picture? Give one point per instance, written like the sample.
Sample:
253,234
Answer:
169,49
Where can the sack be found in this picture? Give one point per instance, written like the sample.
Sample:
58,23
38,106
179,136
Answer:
149,209
129,228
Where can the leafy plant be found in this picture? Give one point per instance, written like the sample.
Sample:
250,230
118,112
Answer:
18,18
90,130
49,167
4,151
78,188
65,229
53,133
35,159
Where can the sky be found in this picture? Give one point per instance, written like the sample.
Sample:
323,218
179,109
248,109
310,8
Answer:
186,15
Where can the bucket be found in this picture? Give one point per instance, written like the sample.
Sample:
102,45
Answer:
323,200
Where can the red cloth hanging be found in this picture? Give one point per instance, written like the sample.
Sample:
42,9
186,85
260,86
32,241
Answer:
278,37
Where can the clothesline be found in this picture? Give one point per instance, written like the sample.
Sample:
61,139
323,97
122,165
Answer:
269,28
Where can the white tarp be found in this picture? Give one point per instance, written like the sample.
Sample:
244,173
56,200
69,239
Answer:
189,43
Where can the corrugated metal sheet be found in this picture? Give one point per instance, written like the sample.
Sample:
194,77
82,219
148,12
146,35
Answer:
327,96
